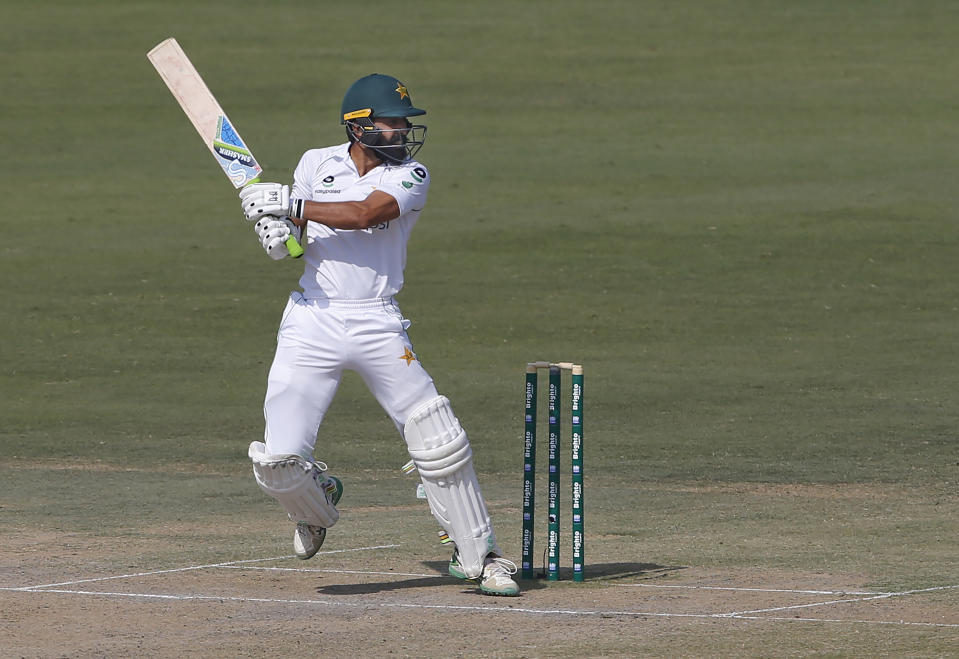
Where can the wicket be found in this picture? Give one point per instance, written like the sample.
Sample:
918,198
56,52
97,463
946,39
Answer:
553,446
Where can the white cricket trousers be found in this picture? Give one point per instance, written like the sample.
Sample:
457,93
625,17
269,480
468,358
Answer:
318,339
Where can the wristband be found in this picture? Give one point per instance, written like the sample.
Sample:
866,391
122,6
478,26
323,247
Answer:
296,208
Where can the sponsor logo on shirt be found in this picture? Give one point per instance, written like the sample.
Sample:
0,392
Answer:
328,186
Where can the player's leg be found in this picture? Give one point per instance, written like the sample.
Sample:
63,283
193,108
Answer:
385,360
442,454
298,394
303,379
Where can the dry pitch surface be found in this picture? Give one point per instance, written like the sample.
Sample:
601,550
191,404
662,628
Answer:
378,601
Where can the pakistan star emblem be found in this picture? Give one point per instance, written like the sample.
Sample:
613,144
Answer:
401,90
408,356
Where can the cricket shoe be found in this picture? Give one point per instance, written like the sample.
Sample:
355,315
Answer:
496,578
308,539
455,569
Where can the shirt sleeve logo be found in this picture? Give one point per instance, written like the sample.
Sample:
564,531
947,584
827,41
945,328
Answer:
418,174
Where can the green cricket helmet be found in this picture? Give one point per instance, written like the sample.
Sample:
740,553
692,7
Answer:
381,96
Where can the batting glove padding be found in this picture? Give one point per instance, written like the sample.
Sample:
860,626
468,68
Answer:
259,199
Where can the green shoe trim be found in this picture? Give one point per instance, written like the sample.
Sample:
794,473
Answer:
508,591
455,569
335,487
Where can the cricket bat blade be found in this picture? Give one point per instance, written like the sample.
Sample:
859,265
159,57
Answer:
204,112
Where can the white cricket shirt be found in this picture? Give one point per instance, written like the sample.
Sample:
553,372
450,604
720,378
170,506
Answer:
357,264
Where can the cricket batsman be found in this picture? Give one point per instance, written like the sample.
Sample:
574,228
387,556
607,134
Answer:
353,207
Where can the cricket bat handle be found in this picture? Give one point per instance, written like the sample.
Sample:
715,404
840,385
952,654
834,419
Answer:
294,247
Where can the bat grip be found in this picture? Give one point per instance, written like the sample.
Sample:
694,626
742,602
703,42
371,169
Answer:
294,247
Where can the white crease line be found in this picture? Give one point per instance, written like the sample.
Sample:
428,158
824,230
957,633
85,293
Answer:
840,601
869,622
752,590
736,614
367,604
193,567
487,609
145,574
313,569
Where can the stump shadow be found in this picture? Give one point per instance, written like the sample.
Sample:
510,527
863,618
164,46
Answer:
599,572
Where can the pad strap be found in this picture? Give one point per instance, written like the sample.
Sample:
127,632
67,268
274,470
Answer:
441,461
298,484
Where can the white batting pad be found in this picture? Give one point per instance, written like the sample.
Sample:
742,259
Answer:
298,484
439,447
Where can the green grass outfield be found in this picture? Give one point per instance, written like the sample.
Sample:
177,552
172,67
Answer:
740,216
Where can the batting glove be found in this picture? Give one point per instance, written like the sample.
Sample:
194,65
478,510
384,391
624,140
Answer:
273,233
259,199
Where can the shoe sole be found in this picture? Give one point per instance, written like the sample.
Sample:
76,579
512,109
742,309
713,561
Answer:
305,557
493,593
335,496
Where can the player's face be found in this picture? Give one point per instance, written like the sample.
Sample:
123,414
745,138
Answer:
392,136
394,139
394,129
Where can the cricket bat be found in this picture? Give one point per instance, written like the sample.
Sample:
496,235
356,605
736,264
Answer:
209,119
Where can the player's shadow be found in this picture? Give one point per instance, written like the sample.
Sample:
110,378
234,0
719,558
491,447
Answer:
385,586
595,572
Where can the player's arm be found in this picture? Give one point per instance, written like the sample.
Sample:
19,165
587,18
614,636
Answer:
377,208
262,199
